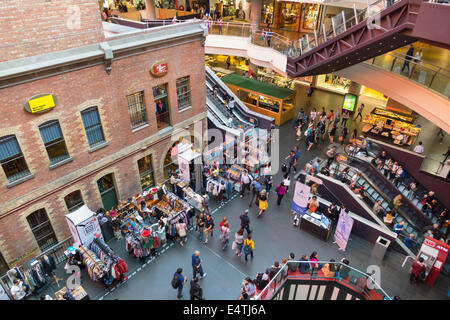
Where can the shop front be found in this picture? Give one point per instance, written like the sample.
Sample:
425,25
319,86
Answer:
264,98
299,17
392,127
334,83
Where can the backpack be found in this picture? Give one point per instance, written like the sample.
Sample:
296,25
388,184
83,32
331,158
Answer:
247,249
175,281
284,167
259,282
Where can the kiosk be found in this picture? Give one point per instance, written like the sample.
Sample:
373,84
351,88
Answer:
434,254
84,226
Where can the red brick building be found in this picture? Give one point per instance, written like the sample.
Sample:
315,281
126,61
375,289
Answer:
109,131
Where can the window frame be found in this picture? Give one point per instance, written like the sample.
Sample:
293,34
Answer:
181,83
76,206
54,142
139,102
99,124
146,173
6,161
41,225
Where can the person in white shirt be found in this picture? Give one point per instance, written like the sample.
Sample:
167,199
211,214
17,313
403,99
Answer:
419,148
231,104
245,182
18,290
286,181
230,122
354,180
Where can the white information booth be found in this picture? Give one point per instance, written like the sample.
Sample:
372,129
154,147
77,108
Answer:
84,226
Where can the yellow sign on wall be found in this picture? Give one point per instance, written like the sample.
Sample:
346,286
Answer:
42,103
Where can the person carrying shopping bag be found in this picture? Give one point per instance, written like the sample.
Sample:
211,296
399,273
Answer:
238,242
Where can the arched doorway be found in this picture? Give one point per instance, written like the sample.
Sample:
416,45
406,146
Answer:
107,191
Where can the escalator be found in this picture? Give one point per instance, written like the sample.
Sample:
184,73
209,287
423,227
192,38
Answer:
368,34
217,109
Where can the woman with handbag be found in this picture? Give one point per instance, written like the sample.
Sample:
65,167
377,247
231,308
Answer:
238,242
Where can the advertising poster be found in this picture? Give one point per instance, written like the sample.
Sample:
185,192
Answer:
89,230
183,166
349,102
343,230
301,196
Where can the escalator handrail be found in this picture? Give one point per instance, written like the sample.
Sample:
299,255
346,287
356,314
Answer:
420,216
386,197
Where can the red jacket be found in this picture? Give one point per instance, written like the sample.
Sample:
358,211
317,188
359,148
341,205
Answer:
416,268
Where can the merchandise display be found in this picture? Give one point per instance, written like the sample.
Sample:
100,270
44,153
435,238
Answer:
391,127
77,294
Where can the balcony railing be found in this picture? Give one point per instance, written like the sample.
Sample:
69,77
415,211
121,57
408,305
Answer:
345,275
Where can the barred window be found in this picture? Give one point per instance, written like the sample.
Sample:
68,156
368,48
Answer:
136,107
42,229
74,200
183,93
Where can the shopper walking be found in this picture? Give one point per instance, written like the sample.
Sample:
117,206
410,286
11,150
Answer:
269,36
245,222
200,224
228,62
245,182
331,153
182,230
408,58
360,110
238,242
209,227
225,234
345,116
249,246
196,290
332,133
178,282
286,181
255,187
292,162
197,265
262,202
281,191
205,202
269,183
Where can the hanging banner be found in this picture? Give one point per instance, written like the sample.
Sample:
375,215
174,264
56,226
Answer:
343,230
301,195
183,166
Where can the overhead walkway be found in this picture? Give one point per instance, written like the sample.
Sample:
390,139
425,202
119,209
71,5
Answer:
370,33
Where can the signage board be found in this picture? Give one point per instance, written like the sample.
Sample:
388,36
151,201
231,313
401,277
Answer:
40,103
343,230
301,196
349,102
159,69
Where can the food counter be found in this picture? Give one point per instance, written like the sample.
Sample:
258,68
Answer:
392,127
264,98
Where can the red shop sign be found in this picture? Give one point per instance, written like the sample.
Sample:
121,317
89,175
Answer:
159,69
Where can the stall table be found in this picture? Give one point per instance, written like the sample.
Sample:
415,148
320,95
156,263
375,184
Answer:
79,293
313,226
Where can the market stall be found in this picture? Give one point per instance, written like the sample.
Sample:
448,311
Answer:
264,98
316,224
77,293
392,127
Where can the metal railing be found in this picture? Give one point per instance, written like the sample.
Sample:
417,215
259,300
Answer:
431,76
56,252
351,277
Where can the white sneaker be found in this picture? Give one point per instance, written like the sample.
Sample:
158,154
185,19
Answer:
204,275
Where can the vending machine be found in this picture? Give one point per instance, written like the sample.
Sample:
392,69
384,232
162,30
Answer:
434,254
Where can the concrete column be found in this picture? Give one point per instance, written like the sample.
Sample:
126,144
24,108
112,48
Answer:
255,12
150,9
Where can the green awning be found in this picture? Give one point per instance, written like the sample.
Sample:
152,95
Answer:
258,86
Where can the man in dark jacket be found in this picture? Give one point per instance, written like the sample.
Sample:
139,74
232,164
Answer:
245,222
196,291
408,58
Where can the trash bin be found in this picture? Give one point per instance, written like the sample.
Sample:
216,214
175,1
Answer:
380,248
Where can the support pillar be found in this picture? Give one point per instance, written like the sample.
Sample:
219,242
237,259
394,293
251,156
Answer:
150,9
255,12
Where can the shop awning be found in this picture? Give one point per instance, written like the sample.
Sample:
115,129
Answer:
258,86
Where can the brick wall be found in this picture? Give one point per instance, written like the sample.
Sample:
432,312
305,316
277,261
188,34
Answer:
75,92
34,27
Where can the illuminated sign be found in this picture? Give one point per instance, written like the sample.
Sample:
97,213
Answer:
429,243
159,69
349,102
40,103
